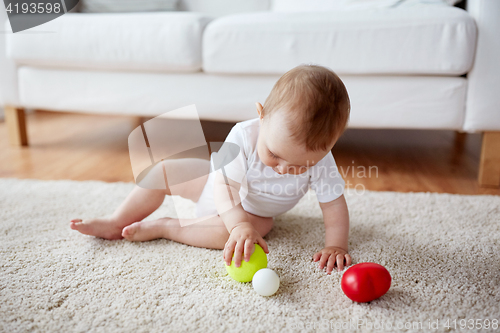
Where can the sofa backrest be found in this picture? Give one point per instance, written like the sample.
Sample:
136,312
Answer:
224,7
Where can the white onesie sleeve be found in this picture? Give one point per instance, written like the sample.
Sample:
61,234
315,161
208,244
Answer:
237,168
326,180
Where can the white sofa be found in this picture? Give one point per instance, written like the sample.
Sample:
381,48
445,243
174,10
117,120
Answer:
406,64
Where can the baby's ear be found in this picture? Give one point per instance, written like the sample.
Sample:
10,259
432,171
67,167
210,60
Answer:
259,108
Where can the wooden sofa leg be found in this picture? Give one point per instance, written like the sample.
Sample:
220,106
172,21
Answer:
489,164
16,125
138,121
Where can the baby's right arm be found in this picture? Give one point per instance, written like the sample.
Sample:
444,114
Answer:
242,234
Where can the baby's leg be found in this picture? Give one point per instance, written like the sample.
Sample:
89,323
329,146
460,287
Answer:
142,202
139,204
209,233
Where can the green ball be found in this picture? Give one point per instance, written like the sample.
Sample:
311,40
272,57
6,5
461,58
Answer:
246,271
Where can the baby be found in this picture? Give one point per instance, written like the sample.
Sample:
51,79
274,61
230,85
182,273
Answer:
283,152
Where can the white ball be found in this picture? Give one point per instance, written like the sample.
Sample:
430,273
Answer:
265,282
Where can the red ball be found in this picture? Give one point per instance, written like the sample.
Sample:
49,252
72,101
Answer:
365,282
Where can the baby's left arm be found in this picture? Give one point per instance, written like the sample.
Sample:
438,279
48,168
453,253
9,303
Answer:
336,218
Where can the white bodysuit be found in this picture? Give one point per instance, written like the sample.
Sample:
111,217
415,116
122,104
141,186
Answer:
265,192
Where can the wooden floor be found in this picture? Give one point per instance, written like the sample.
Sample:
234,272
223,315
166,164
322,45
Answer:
95,147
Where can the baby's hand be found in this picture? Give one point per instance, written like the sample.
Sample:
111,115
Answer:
333,255
242,239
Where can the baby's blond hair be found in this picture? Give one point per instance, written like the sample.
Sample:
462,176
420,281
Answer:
317,102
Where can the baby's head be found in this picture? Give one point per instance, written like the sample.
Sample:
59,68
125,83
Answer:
302,119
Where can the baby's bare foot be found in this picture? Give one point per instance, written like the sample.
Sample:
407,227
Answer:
101,227
146,230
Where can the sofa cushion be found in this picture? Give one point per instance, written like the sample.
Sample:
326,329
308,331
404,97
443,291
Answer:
218,8
159,41
120,6
425,102
417,40
323,5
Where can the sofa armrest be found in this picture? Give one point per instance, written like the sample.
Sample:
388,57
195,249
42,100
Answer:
483,95
8,70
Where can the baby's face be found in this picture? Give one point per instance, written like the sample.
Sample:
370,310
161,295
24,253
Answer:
277,150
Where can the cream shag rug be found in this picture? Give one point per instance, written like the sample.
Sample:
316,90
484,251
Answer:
442,252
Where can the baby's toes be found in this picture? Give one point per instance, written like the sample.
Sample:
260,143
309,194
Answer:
74,223
83,227
129,231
